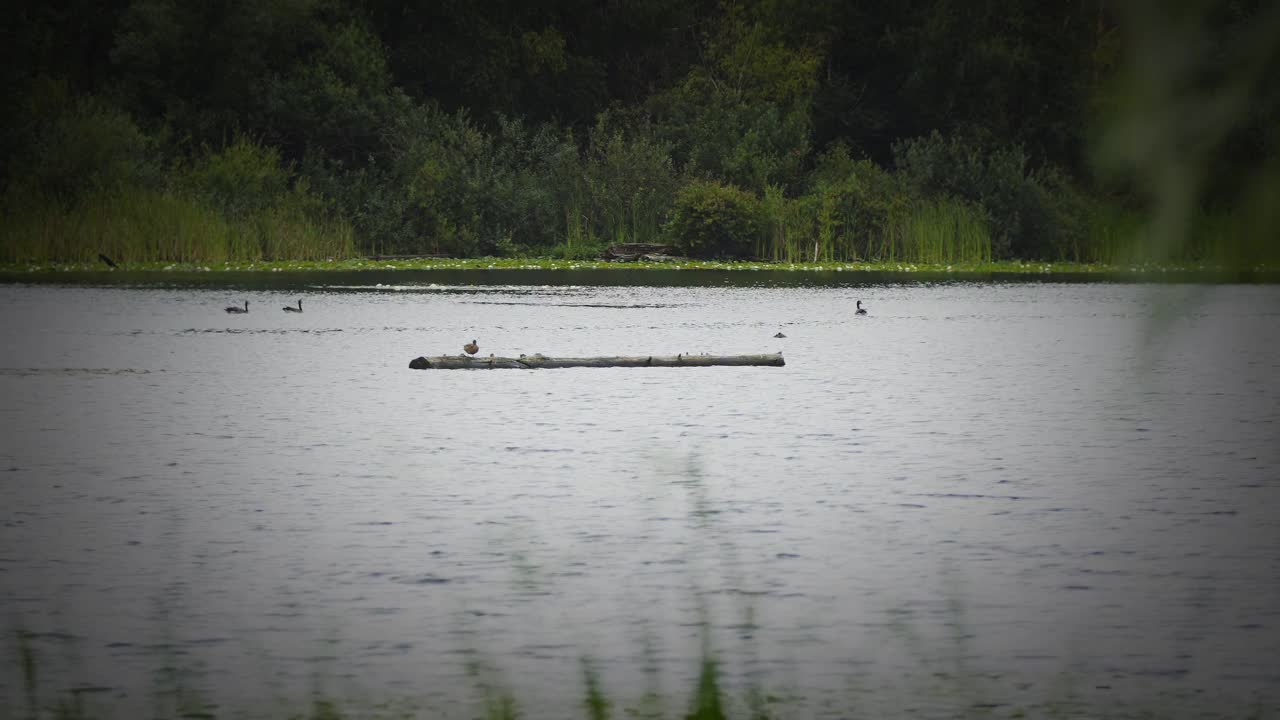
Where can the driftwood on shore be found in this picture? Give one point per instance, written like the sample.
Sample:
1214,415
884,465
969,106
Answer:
639,251
420,256
530,362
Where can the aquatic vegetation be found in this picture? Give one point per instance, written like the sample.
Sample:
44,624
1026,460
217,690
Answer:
1009,267
150,227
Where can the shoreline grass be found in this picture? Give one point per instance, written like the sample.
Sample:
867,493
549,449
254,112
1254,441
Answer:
1270,272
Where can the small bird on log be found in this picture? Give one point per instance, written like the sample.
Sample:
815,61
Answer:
294,309
241,310
861,310
471,348
779,335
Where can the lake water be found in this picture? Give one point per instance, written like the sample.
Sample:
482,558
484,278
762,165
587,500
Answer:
979,497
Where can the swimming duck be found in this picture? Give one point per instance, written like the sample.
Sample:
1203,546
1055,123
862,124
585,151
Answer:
294,309
779,335
241,310
861,310
471,348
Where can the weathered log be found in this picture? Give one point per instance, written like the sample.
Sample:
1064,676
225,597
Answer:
634,251
530,362
420,256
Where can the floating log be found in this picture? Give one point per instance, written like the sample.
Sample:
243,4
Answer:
530,362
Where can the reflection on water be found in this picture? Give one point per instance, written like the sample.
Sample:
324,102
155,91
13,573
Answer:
1006,494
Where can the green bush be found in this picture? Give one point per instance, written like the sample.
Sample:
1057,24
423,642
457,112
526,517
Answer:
628,183
1031,214
787,227
466,192
374,201
710,220
863,206
86,147
241,180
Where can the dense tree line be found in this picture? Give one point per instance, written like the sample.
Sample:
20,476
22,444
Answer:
782,129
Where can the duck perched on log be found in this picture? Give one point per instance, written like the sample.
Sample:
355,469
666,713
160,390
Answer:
538,360
471,348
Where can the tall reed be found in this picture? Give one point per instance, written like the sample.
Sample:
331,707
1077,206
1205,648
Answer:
1119,236
137,225
943,230
787,227
1114,236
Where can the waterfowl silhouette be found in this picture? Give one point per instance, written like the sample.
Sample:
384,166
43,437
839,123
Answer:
472,348
861,310
295,309
241,310
779,335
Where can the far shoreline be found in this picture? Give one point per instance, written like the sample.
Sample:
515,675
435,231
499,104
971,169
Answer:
1264,273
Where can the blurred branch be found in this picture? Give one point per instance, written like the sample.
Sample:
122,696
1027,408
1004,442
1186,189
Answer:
1189,79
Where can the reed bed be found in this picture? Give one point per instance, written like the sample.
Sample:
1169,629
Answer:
140,226
1119,236
945,231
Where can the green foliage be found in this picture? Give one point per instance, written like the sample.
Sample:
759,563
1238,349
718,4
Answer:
471,193
300,227
863,205
322,709
84,146
515,128
743,116
454,188
372,199
1189,122
712,220
139,225
627,183
788,227
708,703
243,179
943,231
1028,220
596,703
339,100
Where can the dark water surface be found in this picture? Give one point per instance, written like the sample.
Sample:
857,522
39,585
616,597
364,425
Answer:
1039,494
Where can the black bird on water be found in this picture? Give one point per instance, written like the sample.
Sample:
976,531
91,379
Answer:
779,335
241,310
294,309
861,310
